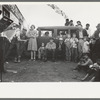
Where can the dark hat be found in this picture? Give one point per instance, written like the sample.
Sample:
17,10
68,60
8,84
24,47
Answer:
24,29
67,19
46,32
71,20
87,24
78,21
93,38
33,26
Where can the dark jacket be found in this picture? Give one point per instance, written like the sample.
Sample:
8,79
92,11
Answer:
85,32
96,34
92,49
97,47
62,46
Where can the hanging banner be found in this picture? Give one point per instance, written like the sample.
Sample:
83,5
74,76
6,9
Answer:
58,10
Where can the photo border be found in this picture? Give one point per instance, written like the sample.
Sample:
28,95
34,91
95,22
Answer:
49,1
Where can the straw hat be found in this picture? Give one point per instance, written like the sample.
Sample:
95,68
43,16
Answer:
61,39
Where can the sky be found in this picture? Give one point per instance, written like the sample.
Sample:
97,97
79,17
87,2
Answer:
40,14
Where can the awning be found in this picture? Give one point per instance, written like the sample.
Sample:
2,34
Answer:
4,23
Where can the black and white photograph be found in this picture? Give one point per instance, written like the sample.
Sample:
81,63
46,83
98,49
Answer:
50,42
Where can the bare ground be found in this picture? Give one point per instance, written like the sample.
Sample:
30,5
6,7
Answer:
38,71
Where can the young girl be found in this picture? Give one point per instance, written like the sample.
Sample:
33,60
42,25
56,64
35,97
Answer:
74,43
86,48
80,48
68,47
32,44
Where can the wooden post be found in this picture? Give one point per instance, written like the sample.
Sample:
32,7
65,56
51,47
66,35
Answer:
55,33
68,31
39,32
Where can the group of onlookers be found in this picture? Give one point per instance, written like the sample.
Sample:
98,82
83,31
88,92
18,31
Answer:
91,60
84,48
70,23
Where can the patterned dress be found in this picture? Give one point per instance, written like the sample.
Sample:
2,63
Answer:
32,44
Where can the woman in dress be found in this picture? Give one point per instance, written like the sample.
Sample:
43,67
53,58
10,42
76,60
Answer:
32,44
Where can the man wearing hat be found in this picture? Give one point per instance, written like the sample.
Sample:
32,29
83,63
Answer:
67,22
88,30
96,54
15,44
79,24
96,33
50,49
60,49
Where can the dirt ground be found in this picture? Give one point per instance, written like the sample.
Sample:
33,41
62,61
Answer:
38,71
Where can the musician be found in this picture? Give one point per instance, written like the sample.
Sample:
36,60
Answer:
16,43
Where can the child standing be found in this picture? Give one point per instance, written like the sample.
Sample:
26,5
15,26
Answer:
92,48
80,48
74,45
41,52
86,48
32,44
68,47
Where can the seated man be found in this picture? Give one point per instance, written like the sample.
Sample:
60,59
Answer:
85,62
50,48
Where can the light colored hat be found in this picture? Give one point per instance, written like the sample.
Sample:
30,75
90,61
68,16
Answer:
98,25
60,38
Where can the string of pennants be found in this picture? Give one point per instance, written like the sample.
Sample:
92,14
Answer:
58,10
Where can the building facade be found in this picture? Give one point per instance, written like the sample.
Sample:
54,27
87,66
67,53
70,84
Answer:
12,12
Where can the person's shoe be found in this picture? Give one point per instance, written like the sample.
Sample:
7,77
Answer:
19,61
92,80
4,71
15,61
75,68
30,59
53,60
7,62
34,59
75,61
68,61
83,79
45,60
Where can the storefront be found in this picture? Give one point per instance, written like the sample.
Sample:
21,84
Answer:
12,13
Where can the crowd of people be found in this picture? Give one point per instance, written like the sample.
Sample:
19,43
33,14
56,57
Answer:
84,49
